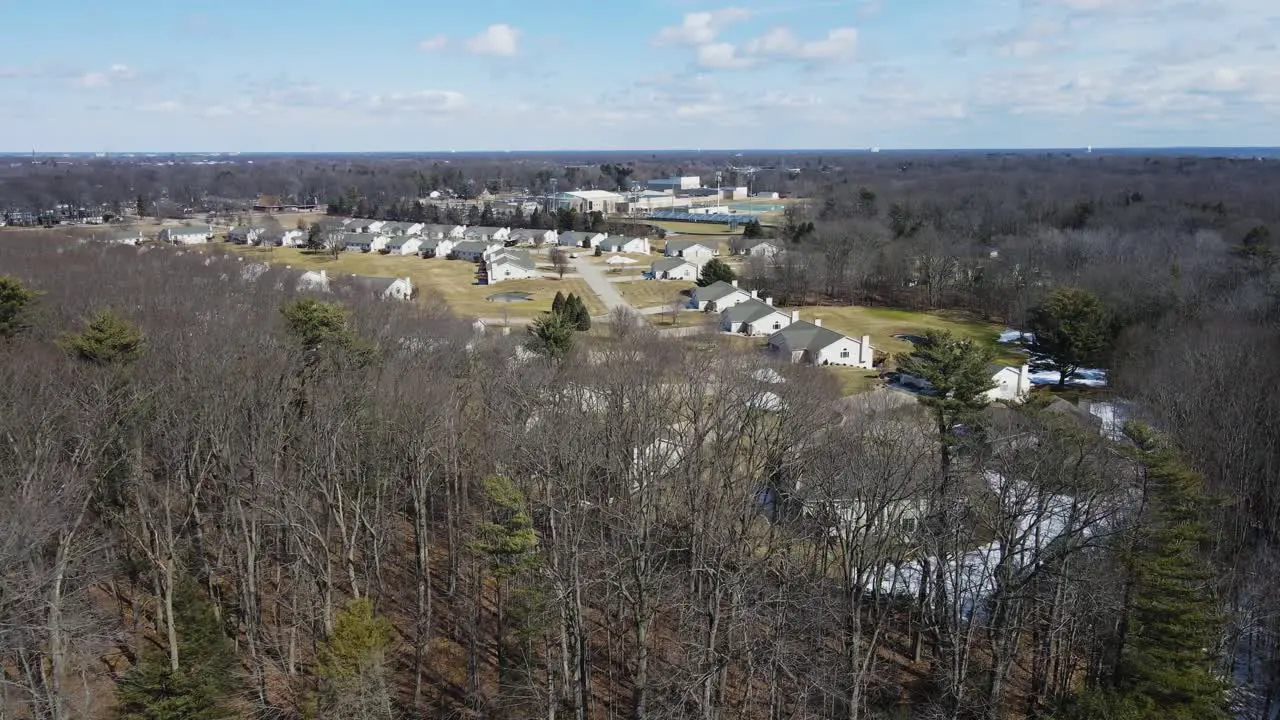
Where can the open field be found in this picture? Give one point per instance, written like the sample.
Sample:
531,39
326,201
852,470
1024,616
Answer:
883,323
650,293
454,280
691,228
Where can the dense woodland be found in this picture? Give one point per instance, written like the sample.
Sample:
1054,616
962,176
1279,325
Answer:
221,498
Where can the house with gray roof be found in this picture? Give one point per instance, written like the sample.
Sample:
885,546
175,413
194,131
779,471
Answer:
674,268
249,235
363,242
474,250
810,342
481,232
121,237
719,295
580,239
696,252
187,234
754,247
403,245
533,238
376,287
436,247
635,245
754,317
510,265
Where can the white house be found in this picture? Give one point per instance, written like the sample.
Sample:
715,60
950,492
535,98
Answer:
436,247
580,239
284,238
1012,383
122,237
474,250
363,242
487,233
357,225
637,245
754,317
754,247
809,342
403,245
378,287
246,235
534,238
719,295
508,265
187,234
314,280
674,269
691,250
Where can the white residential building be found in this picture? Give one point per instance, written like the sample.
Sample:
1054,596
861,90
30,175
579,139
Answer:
403,245
810,342
436,247
187,234
754,247
669,268
636,245
754,317
1013,384
509,265
695,252
719,296
474,250
580,239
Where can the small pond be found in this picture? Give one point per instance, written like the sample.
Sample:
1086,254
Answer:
510,297
913,339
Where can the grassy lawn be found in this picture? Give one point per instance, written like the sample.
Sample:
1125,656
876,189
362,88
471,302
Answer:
686,318
883,323
650,293
854,380
454,280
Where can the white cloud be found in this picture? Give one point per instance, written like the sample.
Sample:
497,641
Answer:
721,56
101,79
434,102
432,44
164,106
839,43
778,41
501,40
701,28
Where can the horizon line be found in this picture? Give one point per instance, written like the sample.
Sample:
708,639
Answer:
867,150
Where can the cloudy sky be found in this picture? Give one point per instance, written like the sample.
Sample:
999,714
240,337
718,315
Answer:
196,75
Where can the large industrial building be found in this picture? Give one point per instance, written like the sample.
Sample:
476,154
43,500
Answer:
675,184
585,201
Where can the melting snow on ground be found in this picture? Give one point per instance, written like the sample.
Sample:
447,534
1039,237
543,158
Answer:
1016,336
1088,377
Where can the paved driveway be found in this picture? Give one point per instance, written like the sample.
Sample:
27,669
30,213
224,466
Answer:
599,283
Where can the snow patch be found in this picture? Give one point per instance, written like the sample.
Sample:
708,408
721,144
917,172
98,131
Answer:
1086,377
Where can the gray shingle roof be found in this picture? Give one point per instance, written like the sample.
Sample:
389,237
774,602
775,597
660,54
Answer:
678,246
750,311
717,290
805,335
473,246
509,257
669,264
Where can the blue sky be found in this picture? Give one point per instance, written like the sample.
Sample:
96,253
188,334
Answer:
83,75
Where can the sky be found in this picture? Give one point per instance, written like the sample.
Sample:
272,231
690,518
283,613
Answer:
415,75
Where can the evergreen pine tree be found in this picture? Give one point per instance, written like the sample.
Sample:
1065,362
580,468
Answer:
14,300
205,681
352,665
107,339
557,304
1165,664
551,334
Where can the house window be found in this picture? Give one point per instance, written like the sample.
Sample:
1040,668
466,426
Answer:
777,325
908,524
844,353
